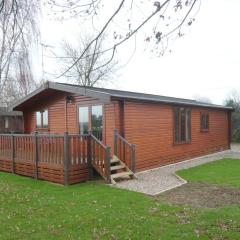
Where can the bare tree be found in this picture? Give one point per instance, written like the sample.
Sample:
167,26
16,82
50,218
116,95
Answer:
233,100
86,72
18,28
21,81
166,20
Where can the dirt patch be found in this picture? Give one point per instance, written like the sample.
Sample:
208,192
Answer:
202,195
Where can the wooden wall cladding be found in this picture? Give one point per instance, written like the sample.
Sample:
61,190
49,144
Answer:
150,127
52,173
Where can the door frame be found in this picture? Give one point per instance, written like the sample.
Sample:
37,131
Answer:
90,105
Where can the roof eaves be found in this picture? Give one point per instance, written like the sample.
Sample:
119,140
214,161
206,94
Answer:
65,88
173,102
19,102
80,90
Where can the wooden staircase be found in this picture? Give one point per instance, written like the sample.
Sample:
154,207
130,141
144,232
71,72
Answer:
119,170
112,168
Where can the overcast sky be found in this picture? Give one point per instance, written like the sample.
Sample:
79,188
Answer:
204,63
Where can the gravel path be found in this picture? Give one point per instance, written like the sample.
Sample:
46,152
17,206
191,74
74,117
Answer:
161,179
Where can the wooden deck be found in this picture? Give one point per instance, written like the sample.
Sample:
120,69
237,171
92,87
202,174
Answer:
64,159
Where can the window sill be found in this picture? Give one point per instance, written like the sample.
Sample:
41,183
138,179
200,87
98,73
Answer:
42,129
204,130
181,143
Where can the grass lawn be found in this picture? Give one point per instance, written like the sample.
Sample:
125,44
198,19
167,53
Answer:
223,172
31,209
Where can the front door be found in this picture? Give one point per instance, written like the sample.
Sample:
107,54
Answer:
91,119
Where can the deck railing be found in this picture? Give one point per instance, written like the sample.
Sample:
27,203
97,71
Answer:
124,150
100,157
64,159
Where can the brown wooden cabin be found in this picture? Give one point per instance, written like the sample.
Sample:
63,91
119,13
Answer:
164,129
10,121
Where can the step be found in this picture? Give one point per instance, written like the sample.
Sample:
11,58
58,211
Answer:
114,160
117,167
122,174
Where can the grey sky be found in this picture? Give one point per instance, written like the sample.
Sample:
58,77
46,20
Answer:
206,62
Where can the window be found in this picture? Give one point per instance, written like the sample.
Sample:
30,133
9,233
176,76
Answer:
204,121
91,118
97,117
42,119
38,119
6,122
182,125
45,119
83,119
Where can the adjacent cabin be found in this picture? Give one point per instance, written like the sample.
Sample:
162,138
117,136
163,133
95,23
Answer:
163,129
10,121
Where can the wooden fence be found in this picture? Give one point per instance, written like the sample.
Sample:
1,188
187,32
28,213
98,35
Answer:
64,159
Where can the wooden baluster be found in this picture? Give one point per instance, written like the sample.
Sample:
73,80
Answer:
54,150
84,153
43,149
66,158
76,150
51,150
80,149
107,164
93,150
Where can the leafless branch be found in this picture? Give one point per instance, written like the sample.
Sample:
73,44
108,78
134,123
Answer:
89,70
159,7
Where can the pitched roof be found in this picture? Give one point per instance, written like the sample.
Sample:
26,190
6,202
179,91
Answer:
107,94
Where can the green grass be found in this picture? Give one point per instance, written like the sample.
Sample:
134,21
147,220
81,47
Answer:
223,172
31,209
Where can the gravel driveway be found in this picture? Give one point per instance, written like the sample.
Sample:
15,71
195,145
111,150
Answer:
161,179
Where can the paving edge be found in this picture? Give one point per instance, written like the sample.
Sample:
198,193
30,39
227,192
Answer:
186,161
170,188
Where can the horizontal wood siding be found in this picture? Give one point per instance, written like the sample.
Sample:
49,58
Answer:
57,111
147,125
150,127
112,121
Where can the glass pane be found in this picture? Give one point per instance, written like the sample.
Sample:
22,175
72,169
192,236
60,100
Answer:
176,124
6,122
45,119
38,120
183,124
188,125
207,121
83,120
97,123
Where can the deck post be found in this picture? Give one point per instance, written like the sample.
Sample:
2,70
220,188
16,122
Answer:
36,153
66,158
89,156
115,141
13,153
107,164
133,158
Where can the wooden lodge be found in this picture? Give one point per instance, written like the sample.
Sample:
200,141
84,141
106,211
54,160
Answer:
70,130
10,121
